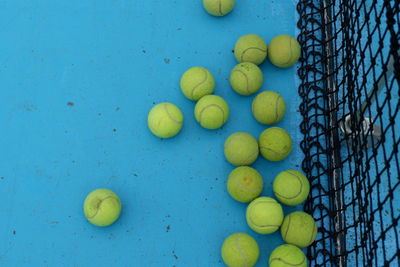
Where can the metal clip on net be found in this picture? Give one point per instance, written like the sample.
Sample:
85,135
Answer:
369,130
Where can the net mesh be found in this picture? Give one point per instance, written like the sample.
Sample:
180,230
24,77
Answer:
349,84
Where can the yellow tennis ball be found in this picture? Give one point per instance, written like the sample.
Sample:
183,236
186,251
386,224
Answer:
241,149
165,120
264,215
251,48
218,8
246,78
284,51
239,250
102,207
299,229
244,184
197,82
291,187
211,111
275,144
268,107
287,256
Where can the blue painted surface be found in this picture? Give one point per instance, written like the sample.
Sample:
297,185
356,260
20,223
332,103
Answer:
77,80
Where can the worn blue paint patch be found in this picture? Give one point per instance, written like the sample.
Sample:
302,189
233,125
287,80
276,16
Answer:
77,80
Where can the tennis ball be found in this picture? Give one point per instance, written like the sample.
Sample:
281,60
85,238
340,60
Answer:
165,120
218,8
284,51
291,187
102,207
246,78
211,111
264,215
244,184
197,82
251,48
268,107
299,229
241,149
287,256
239,250
275,144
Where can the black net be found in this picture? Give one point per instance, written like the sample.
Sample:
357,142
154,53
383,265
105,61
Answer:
349,85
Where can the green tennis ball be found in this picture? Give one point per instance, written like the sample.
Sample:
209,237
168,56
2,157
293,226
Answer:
287,256
165,120
264,215
241,149
284,51
239,250
251,48
218,8
102,207
275,144
244,184
299,229
211,111
246,78
197,82
291,187
268,107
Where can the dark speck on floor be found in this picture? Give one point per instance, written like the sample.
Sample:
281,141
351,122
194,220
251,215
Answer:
114,130
135,175
154,103
216,179
1,177
14,232
168,228
71,104
117,108
168,216
233,51
167,60
144,51
206,199
297,165
98,114
173,254
178,29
